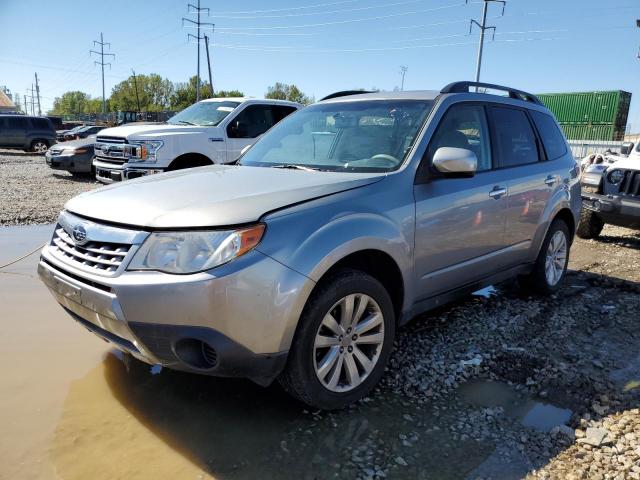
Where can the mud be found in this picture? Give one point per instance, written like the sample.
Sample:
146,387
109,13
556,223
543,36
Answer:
73,408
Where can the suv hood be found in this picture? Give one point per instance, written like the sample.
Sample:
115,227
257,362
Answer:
134,131
211,196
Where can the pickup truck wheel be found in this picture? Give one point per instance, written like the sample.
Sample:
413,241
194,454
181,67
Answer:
551,264
343,341
590,225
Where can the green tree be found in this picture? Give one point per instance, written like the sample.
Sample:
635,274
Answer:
154,92
284,91
184,93
70,103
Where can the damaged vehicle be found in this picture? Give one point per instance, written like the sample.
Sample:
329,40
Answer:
610,194
342,223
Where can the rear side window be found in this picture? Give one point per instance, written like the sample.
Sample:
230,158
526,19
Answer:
464,126
514,137
15,123
552,137
40,124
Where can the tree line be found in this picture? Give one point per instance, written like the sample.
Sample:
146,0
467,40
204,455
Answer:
156,94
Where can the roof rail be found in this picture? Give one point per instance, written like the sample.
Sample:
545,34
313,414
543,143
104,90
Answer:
463,87
346,93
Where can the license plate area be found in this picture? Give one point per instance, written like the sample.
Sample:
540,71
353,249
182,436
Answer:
65,289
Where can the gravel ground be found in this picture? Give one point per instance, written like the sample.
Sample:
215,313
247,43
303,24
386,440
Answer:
578,350
33,193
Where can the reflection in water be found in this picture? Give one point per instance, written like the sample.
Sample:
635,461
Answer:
175,425
539,415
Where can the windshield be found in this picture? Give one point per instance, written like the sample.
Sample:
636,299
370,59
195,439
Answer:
361,136
207,114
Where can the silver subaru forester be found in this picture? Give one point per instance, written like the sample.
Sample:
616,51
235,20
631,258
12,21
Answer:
342,223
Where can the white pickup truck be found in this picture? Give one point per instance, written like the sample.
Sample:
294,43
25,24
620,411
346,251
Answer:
211,131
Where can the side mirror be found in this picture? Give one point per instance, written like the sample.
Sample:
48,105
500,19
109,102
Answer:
458,162
240,129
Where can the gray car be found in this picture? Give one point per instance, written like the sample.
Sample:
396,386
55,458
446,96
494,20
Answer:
75,156
345,221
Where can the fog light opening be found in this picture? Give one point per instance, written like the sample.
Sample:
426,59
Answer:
196,353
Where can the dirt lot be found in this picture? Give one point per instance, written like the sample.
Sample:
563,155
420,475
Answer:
497,385
32,192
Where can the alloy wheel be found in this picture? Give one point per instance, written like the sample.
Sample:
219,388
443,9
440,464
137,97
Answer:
556,259
348,342
39,147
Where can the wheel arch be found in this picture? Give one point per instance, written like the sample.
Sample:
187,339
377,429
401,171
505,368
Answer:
189,160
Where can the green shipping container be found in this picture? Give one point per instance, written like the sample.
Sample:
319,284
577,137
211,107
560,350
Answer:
575,131
610,108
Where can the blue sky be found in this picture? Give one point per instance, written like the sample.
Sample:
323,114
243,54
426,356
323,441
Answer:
326,45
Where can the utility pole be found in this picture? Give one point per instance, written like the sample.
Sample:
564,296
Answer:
102,64
135,84
403,71
196,9
483,27
206,43
25,104
33,110
38,93
638,25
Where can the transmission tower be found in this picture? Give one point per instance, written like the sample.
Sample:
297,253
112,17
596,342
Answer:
197,10
483,28
102,64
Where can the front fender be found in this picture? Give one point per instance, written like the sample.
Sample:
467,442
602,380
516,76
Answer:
311,244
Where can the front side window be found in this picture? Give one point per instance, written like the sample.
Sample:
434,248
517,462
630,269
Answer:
205,114
251,122
356,136
552,138
464,126
515,140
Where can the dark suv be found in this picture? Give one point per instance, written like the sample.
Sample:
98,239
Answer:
35,134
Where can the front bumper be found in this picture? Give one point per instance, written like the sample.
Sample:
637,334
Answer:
70,163
615,209
110,173
245,312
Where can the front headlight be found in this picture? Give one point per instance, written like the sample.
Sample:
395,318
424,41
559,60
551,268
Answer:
143,150
191,252
616,176
591,179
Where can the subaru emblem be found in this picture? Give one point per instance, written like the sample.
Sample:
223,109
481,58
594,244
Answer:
79,234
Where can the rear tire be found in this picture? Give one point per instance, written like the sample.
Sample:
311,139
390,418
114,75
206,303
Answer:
590,225
39,146
332,364
551,265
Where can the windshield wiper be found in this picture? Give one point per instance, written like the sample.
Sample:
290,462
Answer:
186,123
296,167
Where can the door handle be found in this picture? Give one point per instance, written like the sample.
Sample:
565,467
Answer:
550,180
497,192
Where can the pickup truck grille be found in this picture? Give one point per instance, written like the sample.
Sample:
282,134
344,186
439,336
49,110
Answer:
99,257
630,184
110,149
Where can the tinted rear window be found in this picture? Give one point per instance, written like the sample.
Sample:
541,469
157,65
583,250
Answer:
515,139
16,122
552,137
40,124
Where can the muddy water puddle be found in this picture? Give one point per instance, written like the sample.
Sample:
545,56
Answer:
73,408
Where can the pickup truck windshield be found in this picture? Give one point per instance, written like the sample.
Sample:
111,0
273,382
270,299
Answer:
356,136
206,114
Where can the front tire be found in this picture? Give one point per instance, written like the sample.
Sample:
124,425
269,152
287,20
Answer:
551,265
343,341
590,225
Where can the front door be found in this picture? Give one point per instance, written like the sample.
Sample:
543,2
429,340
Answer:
460,222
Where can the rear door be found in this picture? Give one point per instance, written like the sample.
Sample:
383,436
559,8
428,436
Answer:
460,222
16,134
530,183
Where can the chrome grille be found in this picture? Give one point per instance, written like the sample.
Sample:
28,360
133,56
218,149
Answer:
110,149
96,256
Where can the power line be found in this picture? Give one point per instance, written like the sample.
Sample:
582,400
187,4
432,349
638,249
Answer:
102,63
483,27
331,4
197,9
